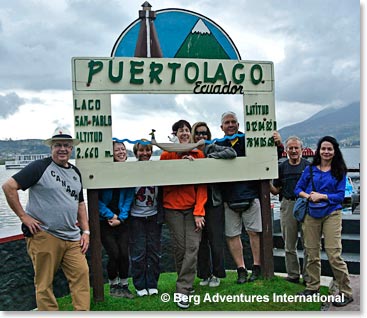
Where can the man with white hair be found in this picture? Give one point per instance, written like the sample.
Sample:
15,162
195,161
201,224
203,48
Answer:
242,206
54,206
290,171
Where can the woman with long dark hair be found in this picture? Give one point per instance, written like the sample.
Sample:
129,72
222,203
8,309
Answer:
211,250
323,184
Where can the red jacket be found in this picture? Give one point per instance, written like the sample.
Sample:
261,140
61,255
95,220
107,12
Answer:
183,197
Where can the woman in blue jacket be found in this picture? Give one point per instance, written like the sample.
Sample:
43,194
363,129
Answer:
114,206
328,174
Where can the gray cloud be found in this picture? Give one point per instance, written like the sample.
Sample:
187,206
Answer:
320,41
9,104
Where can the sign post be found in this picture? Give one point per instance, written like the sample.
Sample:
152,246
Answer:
192,69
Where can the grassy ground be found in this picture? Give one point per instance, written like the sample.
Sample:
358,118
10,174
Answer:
257,296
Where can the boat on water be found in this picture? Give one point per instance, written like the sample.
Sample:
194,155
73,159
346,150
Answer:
20,161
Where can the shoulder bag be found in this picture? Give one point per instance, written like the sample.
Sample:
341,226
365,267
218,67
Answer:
300,209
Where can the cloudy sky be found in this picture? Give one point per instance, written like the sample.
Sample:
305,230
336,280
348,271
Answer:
314,44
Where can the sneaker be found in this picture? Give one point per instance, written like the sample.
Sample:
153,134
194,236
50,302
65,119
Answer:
184,301
142,292
153,291
183,304
115,290
242,275
256,273
125,292
204,282
214,281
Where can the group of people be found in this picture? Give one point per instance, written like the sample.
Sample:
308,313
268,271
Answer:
200,218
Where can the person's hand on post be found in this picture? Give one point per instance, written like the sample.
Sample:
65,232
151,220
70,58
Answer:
277,138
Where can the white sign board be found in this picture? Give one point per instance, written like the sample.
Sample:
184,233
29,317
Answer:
94,79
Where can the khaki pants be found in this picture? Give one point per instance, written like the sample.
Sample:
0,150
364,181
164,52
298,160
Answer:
329,226
289,227
186,242
48,253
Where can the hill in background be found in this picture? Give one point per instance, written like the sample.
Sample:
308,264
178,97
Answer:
341,123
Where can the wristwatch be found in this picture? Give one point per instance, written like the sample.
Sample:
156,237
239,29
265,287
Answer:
86,232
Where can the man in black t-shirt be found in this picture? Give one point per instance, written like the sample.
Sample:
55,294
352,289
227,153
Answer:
289,173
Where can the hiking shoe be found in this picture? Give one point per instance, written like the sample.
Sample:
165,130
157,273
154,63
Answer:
142,292
242,275
292,280
205,282
308,292
153,291
333,287
115,290
125,292
214,281
342,302
256,273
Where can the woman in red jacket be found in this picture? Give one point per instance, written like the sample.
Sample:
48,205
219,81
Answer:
184,214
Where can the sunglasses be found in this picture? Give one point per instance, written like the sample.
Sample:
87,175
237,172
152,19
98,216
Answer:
201,133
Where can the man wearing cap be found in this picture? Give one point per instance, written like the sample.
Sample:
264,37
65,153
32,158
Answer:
54,206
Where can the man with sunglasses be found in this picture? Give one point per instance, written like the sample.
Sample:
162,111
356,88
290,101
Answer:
49,220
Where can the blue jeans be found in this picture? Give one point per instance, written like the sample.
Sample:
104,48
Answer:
145,251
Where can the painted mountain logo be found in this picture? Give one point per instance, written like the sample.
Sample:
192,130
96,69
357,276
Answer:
201,43
181,34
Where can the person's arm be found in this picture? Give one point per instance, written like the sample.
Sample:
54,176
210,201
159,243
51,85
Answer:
199,210
301,187
10,188
84,225
273,189
104,211
128,197
201,198
335,197
219,152
278,143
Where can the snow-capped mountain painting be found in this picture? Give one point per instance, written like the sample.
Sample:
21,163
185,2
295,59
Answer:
201,43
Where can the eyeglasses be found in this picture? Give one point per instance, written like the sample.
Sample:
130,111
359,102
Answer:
60,145
201,133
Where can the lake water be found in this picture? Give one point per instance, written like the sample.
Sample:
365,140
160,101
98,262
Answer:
10,224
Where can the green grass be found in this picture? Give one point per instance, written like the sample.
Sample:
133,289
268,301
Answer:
263,290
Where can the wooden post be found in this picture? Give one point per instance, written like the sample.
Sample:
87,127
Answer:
95,246
267,261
